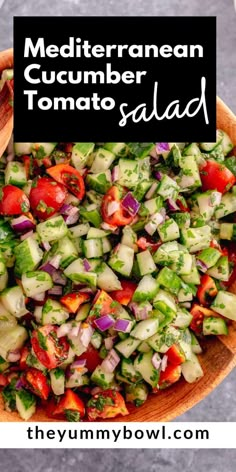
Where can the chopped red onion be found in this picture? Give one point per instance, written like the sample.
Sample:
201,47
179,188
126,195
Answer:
157,218
172,205
75,330
10,157
186,181
78,363
186,305
111,361
158,175
89,290
39,297
115,173
47,267
140,312
22,224
202,266
97,390
156,360
104,322
108,227
14,356
58,277
72,199
26,235
86,265
130,204
109,342
20,384
162,147
46,245
164,363
63,330
215,199
123,325
55,290
150,227
151,191
55,261
153,153
70,215
112,207
86,333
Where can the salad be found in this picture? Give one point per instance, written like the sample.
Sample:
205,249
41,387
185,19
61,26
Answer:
115,262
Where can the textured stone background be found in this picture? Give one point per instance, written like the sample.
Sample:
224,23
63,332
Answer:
221,404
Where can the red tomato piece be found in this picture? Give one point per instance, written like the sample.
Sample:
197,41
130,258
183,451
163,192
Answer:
216,176
13,201
3,380
125,295
107,404
37,382
50,350
147,242
72,301
103,304
70,177
46,197
27,164
207,290
171,374
92,358
69,407
175,355
120,217
198,313
24,354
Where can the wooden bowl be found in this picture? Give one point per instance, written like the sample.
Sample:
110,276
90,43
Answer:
217,360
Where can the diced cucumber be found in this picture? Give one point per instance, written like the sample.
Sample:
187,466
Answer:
36,282
77,273
163,255
77,381
121,259
220,270
3,365
102,160
92,248
127,346
165,303
193,277
225,304
41,150
128,371
80,153
119,149
15,174
96,233
23,148
153,205
169,230
143,364
162,341
209,257
189,177
191,369
54,313
196,348
182,265
183,319
142,188
12,339
57,377
13,300
7,320
186,293
226,206
146,290
168,280
28,256
146,263
107,279
196,239
186,349
210,146
144,329
52,229
92,214
228,231
226,143
101,378
128,173
183,220
96,339
25,404
100,182
66,249
213,325
192,150
83,312
136,394
143,347
129,237
168,188
140,149
207,202
79,230
3,280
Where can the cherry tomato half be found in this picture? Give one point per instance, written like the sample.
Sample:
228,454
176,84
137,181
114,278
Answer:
70,177
216,176
120,217
125,295
37,382
50,350
46,197
13,201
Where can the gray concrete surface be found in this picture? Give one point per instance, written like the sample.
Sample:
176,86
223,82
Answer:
221,404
